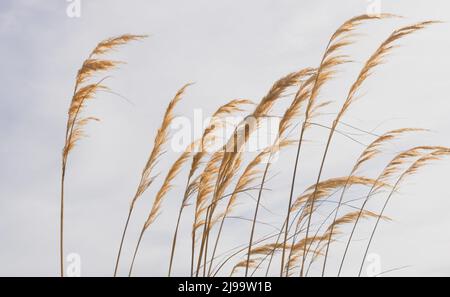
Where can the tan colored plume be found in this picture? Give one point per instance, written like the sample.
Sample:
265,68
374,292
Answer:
160,139
165,188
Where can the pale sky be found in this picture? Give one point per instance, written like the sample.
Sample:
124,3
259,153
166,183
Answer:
230,49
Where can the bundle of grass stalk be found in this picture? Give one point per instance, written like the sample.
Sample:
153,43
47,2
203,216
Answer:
218,178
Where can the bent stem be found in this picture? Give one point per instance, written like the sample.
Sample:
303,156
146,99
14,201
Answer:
175,235
61,231
255,217
192,253
291,195
174,241
362,208
216,244
122,240
332,226
311,208
272,253
219,232
200,256
136,251
205,258
380,216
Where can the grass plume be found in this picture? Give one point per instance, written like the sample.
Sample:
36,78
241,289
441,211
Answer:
148,176
313,218
84,91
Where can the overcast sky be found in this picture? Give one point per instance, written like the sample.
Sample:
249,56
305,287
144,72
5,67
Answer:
231,49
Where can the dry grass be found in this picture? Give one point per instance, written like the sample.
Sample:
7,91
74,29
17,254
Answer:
84,91
218,179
